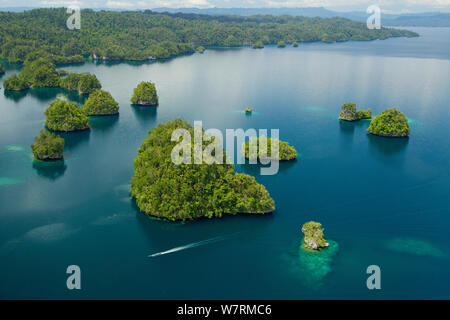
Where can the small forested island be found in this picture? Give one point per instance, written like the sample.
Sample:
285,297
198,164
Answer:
248,110
286,152
100,103
390,123
41,73
172,191
201,49
349,113
281,44
48,146
84,83
144,35
65,116
15,83
258,45
145,94
313,236
295,44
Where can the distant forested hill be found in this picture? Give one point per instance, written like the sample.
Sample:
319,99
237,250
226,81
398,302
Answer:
426,19
134,35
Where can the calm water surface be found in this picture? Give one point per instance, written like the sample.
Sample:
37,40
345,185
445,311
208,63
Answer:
381,201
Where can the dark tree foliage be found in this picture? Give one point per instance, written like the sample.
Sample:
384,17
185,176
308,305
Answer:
190,191
134,35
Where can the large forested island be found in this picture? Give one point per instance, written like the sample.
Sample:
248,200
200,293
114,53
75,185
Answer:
164,189
148,35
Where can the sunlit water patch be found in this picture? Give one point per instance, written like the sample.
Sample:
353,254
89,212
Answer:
43,234
50,232
112,219
414,246
123,190
5,181
414,124
14,148
312,266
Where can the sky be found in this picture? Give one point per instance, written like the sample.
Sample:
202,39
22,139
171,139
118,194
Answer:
388,6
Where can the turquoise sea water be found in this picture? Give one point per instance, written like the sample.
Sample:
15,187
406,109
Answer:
382,201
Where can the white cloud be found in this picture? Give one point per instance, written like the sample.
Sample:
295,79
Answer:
60,3
343,5
117,4
169,3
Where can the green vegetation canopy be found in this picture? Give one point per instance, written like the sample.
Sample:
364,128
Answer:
137,35
349,113
145,93
48,146
65,116
84,83
313,238
16,83
190,191
100,102
286,152
390,123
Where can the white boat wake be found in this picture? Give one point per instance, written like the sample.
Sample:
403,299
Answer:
188,246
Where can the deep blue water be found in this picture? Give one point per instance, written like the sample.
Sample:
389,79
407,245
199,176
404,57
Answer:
382,201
